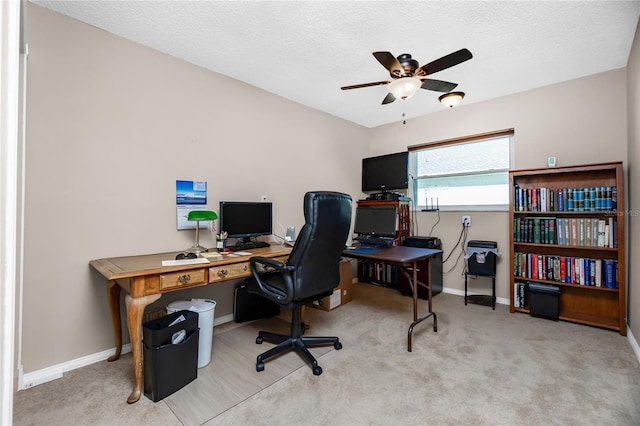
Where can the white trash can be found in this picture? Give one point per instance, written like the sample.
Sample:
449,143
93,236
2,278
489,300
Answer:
205,309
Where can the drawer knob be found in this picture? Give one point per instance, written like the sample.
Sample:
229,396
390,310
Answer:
222,273
184,278
245,268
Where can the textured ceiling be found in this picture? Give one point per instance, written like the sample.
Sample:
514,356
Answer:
306,50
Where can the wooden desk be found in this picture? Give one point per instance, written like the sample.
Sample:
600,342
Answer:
145,280
407,259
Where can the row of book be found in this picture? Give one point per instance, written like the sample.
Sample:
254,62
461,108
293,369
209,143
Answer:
592,199
565,269
585,232
382,273
520,295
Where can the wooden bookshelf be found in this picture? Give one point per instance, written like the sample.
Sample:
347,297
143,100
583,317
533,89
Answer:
587,297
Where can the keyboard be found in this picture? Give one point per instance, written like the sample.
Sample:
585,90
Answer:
375,241
178,262
248,246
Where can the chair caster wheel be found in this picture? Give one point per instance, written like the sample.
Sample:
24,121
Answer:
317,370
260,366
337,346
258,340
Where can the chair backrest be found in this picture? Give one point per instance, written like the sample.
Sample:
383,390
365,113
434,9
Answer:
320,243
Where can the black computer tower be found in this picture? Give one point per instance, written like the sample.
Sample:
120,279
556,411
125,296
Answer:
436,267
249,306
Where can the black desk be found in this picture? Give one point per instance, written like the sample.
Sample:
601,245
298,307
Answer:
406,258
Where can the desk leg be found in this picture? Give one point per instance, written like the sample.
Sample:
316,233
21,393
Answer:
135,311
113,291
416,319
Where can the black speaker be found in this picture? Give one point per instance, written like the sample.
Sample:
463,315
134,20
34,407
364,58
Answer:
436,267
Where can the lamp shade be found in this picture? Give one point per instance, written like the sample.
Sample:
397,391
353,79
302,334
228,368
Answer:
202,215
451,99
404,88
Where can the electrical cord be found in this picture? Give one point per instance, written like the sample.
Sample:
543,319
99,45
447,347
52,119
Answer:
462,233
434,225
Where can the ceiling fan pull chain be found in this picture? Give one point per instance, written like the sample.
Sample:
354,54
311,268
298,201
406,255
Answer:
403,120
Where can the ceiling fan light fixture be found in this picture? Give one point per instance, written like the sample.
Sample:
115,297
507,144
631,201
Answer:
404,88
451,99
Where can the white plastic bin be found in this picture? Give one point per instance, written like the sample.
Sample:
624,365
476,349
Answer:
205,309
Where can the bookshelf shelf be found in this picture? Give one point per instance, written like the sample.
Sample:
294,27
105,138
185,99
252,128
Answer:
567,230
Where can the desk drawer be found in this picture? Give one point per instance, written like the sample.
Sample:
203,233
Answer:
182,279
229,272
237,270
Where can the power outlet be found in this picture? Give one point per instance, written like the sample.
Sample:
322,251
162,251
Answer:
466,221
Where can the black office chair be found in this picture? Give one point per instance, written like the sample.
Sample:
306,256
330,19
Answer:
311,273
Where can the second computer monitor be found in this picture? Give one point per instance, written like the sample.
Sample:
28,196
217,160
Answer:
381,221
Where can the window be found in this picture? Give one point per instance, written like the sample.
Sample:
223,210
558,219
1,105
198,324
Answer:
464,174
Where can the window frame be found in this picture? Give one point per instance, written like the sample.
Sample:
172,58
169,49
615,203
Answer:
459,141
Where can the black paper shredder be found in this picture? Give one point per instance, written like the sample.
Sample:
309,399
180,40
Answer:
482,265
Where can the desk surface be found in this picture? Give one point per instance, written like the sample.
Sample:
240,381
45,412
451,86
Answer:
399,255
115,268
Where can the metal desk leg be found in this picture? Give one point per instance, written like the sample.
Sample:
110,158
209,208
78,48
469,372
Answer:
414,285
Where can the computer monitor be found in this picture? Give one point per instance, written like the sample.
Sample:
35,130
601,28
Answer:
380,221
385,172
245,219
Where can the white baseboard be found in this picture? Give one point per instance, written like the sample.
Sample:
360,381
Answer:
38,377
54,372
633,343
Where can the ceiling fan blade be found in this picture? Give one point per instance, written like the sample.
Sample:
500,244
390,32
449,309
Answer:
445,62
358,86
389,62
388,99
438,85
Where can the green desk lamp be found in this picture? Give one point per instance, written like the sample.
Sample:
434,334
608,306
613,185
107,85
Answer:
199,215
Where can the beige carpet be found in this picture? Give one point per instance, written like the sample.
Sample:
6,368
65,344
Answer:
481,367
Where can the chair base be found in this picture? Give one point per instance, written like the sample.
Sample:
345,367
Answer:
295,341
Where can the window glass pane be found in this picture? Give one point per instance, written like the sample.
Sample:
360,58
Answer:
468,157
479,190
471,174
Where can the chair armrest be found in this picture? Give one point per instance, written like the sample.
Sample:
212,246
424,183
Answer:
268,262
271,292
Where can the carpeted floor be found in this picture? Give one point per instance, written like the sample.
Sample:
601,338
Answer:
482,367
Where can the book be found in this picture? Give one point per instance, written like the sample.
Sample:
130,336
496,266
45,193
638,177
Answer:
563,269
601,233
574,232
609,278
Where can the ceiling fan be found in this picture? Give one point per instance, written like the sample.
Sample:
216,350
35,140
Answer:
408,75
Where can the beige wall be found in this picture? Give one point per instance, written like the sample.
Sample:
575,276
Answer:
580,122
633,226
111,125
